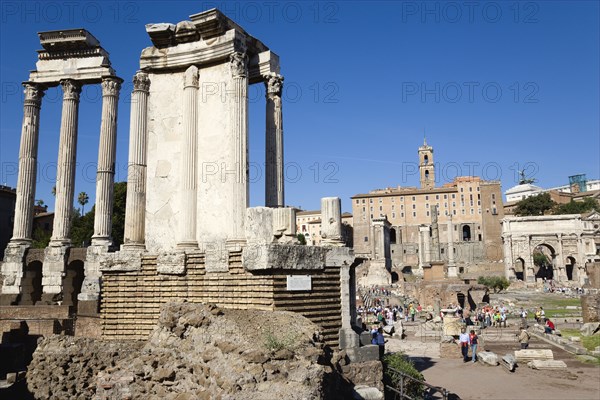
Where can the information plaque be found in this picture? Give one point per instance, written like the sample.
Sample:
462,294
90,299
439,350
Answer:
299,282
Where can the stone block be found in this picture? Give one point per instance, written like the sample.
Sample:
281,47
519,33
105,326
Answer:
487,357
527,355
367,373
171,263
121,261
590,328
277,256
547,364
365,338
509,362
363,354
348,339
362,392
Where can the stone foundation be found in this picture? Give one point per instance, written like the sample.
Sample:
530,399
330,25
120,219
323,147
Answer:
590,307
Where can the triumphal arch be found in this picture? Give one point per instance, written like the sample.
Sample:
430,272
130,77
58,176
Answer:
189,231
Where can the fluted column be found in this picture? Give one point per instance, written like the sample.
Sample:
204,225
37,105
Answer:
274,180
188,160
134,237
435,234
105,177
67,154
26,181
452,271
239,115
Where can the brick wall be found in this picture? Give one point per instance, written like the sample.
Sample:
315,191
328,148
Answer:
131,301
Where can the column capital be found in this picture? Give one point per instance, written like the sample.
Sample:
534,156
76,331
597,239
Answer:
141,82
71,89
273,84
190,78
33,93
239,64
111,86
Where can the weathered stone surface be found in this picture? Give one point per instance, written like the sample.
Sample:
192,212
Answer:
194,349
276,256
487,357
527,355
121,261
509,362
365,373
367,393
171,263
369,352
590,328
547,364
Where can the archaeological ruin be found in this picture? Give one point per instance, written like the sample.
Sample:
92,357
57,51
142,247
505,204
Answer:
190,234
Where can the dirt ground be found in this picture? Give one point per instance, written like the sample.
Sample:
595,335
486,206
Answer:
471,380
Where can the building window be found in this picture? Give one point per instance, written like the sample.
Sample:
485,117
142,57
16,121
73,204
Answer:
463,211
401,215
393,215
356,201
445,205
371,216
453,204
371,208
371,201
393,207
414,206
380,208
426,197
478,189
427,205
363,201
401,198
453,195
472,211
461,190
428,213
437,196
402,206
366,238
470,189
413,198
454,212
445,196
470,197
414,214
493,196
478,196
380,201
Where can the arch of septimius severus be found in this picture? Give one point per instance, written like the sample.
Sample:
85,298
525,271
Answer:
189,231
569,241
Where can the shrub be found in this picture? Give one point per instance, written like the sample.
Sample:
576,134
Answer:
496,283
400,362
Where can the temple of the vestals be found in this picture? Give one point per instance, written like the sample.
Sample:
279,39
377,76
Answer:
189,231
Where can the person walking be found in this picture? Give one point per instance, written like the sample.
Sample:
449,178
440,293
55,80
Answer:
474,340
464,343
523,338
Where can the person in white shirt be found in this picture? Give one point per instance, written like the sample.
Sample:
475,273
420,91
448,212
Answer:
464,342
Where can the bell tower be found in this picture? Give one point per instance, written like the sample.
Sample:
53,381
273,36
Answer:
426,167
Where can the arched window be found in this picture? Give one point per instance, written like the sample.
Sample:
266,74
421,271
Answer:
426,159
427,174
466,231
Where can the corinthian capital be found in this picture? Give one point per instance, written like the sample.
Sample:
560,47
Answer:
71,89
111,86
239,64
141,81
33,93
273,83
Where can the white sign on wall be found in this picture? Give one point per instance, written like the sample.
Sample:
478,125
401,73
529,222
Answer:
299,282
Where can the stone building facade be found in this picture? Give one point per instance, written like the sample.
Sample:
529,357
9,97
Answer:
473,205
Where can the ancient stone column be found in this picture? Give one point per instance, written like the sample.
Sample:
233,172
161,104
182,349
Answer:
452,270
580,264
529,268
67,154
188,160
26,181
435,234
105,178
331,221
12,268
509,268
274,195
135,209
560,273
239,123
421,248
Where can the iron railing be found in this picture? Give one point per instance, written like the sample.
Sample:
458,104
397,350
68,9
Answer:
406,386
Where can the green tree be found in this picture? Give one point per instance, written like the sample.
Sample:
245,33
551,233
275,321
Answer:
577,207
83,199
540,259
301,239
82,227
535,205
496,283
41,238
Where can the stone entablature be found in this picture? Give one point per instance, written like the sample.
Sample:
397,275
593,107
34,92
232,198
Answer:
570,240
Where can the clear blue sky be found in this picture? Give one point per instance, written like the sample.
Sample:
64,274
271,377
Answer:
496,87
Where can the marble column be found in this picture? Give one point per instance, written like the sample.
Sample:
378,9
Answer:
135,209
529,267
239,125
331,221
435,234
55,255
561,273
12,268
452,270
580,264
274,179
189,160
509,268
67,154
105,178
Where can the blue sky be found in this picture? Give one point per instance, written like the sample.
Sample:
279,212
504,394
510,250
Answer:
496,86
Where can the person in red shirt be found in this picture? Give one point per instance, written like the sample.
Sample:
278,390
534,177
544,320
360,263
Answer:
549,328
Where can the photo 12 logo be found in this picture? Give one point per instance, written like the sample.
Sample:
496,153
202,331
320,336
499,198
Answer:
471,12
470,92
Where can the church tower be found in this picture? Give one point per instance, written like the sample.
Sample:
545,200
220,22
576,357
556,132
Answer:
426,168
